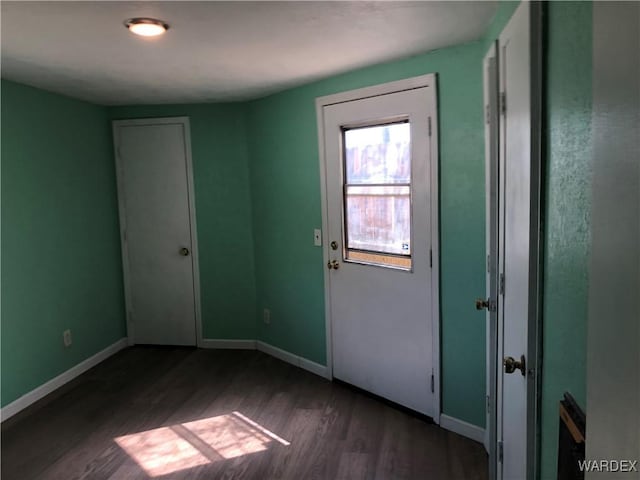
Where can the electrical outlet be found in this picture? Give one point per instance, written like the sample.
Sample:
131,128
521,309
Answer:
66,338
266,316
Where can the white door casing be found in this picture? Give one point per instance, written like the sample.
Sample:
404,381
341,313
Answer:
157,223
519,242
382,324
490,83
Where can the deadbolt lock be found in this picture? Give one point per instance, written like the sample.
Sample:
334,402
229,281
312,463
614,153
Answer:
333,265
511,365
334,245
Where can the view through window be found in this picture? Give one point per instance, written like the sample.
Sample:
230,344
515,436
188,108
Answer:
377,194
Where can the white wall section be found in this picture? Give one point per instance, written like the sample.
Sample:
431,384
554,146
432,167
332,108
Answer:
613,344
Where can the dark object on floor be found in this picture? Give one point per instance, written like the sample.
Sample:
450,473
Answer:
571,439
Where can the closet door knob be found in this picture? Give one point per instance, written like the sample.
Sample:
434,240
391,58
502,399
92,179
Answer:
481,304
511,365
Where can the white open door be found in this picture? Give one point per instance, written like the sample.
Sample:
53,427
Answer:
518,243
157,224
379,166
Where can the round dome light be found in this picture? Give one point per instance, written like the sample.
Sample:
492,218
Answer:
146,27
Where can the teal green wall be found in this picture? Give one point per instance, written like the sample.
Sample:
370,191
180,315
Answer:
285,187
61,264
223,213
567,216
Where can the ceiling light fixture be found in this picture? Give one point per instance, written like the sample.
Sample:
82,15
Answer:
146,27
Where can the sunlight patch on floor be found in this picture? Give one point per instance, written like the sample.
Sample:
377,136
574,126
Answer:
166,450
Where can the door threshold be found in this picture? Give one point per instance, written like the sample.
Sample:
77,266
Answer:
386,401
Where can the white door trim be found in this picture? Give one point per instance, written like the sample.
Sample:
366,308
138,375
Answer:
428,80
184,121
536,260
491,128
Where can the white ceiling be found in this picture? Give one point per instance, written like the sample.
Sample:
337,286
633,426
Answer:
218,51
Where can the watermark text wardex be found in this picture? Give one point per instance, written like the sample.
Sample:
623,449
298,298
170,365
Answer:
622,466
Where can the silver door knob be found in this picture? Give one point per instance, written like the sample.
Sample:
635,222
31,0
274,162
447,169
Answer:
184,251
333,265
481,304
511,365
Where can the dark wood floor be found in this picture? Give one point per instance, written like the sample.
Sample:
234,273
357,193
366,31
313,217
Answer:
168,413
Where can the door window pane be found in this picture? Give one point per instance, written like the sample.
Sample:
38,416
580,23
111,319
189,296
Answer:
377,195
378,154
378,218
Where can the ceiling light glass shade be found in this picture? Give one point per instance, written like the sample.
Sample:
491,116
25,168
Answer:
146,27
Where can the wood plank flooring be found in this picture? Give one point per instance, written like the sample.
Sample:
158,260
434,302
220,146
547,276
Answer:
168,413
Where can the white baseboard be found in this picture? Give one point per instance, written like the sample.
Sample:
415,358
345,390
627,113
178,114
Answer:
228,344
46,388
269,350
293,359
462,428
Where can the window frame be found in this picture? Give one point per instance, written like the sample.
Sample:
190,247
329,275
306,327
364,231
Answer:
404,119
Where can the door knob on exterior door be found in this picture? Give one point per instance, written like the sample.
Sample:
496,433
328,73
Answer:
511,365
333,265
184,251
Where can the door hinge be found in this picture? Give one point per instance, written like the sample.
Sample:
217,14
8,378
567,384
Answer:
488,404
500,452
433,387
487,114
430,258
502,284
429,126
503,103
488,263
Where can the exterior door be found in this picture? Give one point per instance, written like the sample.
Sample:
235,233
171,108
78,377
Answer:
518,243
156,221
380,228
